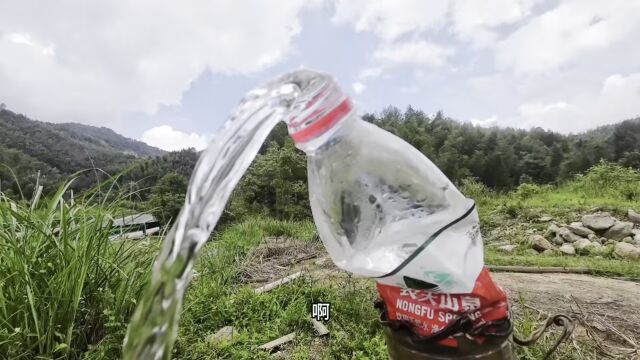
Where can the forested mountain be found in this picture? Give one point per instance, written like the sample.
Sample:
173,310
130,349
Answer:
501,158
58,150
504,157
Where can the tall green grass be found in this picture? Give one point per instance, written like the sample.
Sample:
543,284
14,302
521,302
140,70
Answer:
64,285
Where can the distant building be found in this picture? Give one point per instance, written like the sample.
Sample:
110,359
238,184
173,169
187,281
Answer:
135,227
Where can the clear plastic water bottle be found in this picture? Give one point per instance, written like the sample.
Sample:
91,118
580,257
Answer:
382,208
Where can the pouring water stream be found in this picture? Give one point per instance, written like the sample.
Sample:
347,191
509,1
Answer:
153,327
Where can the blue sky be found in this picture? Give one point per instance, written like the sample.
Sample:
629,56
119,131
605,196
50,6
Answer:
169,73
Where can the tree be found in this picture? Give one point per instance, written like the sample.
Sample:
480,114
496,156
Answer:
167,197
275,185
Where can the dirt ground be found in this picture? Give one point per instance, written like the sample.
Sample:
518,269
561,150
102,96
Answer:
606,311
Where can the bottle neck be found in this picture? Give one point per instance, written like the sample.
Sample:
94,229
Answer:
317,110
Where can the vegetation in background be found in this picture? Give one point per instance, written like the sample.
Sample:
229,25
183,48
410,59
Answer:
500,158
167,197
60,150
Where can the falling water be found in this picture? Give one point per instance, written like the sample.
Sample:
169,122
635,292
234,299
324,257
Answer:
153,327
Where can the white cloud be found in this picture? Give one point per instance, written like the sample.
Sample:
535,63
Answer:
69,60
489,122
167,138
568,32
476,20
413,53
618,99
371,72
558,116
358,87
389,19
25,39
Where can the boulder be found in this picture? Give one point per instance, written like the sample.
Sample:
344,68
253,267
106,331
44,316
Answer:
619,230
609,242
582,245
578,229
599,221
628,239
545,218
567,249
549,252
558,240
568,236
539,243
507,248
593,237
627,251
552,230
633,216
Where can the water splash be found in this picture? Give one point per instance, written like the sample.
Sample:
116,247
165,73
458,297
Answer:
153,327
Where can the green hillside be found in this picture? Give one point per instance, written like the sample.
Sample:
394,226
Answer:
59,150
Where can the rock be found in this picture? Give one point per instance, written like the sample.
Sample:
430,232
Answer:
619,230
578,229
531,252
549,252
224,334
633,216
507,248
567,249
610,242
628,239
595,244
558,240
568,236
582,245
545,218
539,243
627,251
598,221
593,237
552,230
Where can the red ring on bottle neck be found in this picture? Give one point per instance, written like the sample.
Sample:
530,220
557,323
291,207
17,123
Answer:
323,124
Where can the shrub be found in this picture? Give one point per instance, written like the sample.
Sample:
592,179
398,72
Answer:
608,179
474,189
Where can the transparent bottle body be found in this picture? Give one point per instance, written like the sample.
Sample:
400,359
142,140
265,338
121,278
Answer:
375,199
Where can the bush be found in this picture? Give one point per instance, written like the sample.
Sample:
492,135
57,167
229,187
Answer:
526,191
474,189
607,179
